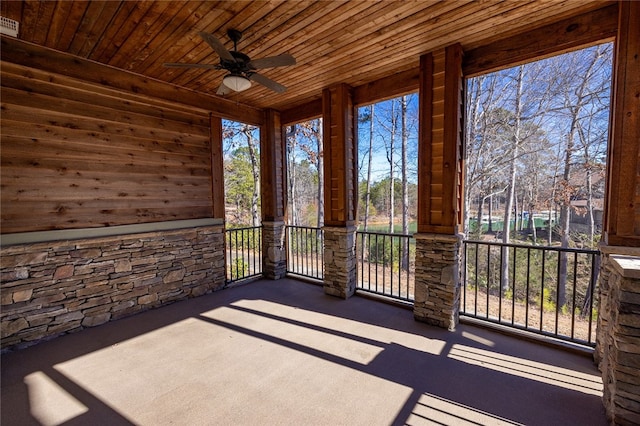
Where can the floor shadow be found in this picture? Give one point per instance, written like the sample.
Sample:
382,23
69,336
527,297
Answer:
438,381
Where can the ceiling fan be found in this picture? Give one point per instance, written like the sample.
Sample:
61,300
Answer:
242,69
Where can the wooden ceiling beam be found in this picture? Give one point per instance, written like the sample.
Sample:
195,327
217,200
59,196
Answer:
396,85
304,112
560,37
45,59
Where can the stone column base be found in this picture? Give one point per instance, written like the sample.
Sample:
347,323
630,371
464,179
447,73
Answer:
274,257
340,263
437,279
618,334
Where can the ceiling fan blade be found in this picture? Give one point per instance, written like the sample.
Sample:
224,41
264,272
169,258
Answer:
223,90
267,82
217,46
273,61
180,65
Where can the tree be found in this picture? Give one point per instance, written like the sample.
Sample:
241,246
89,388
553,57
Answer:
511,185
404,261
243,142
305,152
364,118
239,186
389,123
579,96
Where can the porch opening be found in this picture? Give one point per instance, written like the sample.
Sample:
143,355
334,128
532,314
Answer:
243,234
387,172
536,146
305,193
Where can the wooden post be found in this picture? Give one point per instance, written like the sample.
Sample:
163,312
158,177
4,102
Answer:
440,166
273,196
622,212
340,191
440,188
617,345
217,168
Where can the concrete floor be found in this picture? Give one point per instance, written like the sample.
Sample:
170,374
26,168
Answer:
282,352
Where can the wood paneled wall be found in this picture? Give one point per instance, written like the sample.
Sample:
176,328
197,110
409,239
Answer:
340,157
622,212
76,154
440,166
273,164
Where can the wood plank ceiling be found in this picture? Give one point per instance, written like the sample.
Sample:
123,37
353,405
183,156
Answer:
353,42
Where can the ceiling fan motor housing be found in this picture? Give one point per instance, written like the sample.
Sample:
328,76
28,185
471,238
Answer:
239,66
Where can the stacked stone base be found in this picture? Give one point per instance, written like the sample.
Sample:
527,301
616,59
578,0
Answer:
274,257
618,338
437,279
340,263
52,288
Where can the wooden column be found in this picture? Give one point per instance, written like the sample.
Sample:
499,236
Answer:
273,196
440,180
618,343
340,191
622,212
440,166
217,169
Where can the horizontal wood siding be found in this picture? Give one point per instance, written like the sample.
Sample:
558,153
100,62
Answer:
622,223
440,166
340,153
78,155
272,169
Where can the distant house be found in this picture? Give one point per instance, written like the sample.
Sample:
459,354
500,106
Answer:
580,214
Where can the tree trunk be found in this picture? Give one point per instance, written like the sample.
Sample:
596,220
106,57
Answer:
404,264
490,225
532,225
367,198
368,183
592,224
320,168
392,141
255,170
479,216
291,143
509,203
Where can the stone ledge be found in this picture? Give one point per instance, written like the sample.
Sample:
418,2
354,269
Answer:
117,231
447,238
627,266
625,251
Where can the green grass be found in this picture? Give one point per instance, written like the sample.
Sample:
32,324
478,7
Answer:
384,227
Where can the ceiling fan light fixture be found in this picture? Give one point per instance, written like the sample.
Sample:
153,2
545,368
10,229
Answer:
236,83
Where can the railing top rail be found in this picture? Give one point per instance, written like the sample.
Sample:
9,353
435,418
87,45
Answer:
243,228
388,234
315,228
525,246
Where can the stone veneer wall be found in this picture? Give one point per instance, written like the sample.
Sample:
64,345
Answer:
274,257
618,337
437,279
340,263
52,288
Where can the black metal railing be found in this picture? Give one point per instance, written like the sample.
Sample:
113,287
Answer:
243,252
546,290
386,264
305,251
